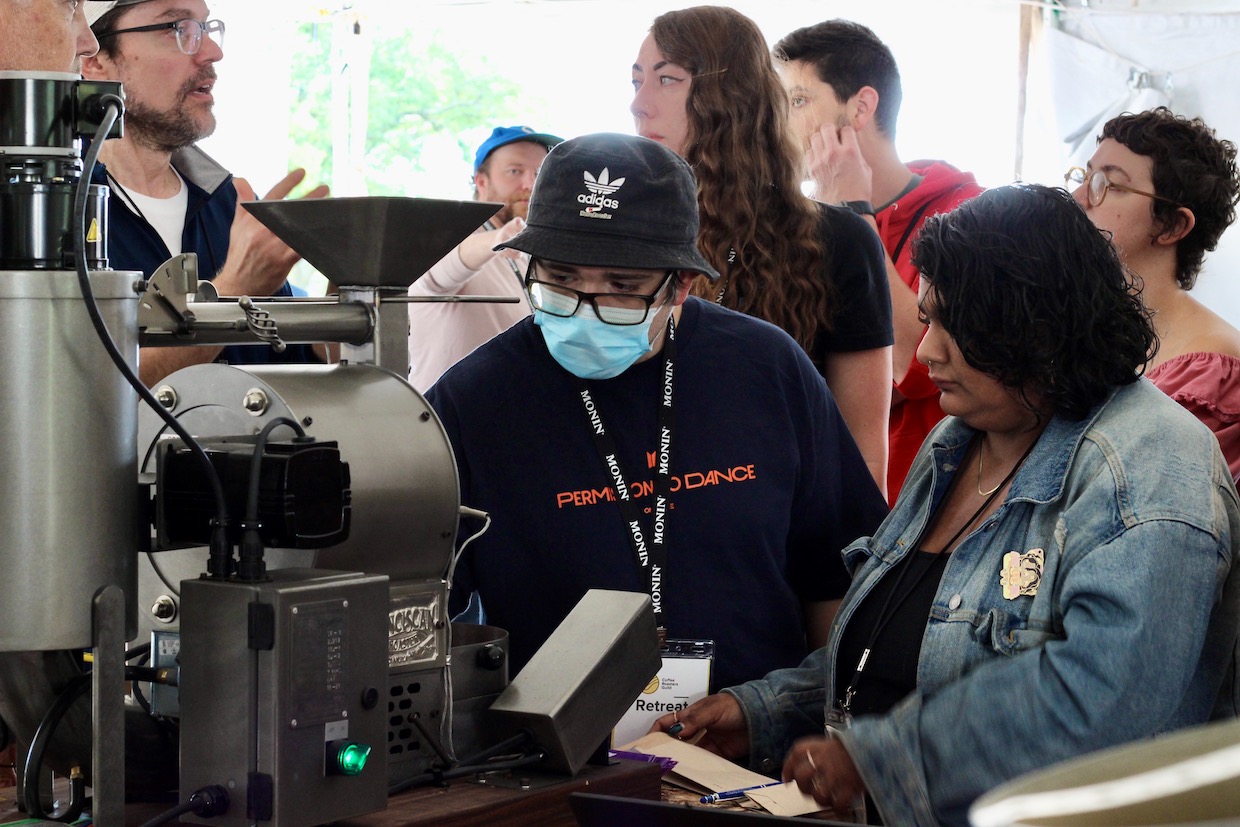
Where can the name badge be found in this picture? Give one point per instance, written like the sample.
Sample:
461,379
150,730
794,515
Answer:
683,678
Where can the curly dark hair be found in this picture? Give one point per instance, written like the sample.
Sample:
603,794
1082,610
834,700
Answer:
1035,295
848,56
748,168
1190,167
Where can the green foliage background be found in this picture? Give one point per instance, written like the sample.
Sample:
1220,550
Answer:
417,91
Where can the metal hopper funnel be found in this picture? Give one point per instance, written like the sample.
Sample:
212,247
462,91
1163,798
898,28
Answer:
372,241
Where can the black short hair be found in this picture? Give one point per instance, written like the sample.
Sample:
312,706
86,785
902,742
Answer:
1036,296
848,56
1191,167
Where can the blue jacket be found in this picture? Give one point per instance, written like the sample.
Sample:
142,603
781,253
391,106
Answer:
1132,630
133,244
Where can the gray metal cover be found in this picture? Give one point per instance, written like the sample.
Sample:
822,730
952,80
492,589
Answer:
584,678
68,457
404,484
272,711
372,241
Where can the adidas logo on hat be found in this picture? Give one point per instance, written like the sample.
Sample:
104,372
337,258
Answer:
599,188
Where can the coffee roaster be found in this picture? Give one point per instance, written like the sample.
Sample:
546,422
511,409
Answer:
274,540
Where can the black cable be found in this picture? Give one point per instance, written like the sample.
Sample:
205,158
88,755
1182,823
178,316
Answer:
221,551
76,687
169,815
250,566
461,771
135,690
141,650
168,676
256,460
431,739
515,742
204,802
38,746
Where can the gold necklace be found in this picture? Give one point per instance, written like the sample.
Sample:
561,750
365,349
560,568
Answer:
981,446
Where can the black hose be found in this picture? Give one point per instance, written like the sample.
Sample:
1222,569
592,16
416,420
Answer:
38,746
219,565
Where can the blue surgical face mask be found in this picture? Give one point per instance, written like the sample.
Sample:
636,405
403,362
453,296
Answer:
590,348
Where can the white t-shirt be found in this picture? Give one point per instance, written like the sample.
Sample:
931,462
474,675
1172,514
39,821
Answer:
166,215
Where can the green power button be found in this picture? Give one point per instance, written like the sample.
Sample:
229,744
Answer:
347,757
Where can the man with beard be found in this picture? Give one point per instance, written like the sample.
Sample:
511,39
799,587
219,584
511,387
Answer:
168,196
844,90
44,36
442,333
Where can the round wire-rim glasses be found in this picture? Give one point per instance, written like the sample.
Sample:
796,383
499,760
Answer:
189,32
1097,184
610,308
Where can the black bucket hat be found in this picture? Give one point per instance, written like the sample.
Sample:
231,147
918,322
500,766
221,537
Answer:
611,200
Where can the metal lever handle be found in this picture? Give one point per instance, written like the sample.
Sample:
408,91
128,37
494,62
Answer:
261,324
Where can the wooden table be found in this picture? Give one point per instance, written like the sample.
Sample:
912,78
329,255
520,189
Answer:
466,804
463,803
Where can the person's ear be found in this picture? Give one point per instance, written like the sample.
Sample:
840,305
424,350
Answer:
684,282
97,67
863,106
1176,228
480,183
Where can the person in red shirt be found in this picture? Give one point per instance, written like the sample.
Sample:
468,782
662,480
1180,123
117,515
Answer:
844,91
1165,188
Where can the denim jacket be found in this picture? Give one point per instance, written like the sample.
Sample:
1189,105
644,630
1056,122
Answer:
1132,630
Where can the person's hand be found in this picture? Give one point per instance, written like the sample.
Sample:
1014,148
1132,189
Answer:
506,232
718,718
838,168
477,249
258,263
823,768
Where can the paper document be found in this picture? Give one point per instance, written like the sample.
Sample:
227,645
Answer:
704,772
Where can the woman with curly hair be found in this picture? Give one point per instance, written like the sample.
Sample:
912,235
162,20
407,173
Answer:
1012,610
1166,188
705,86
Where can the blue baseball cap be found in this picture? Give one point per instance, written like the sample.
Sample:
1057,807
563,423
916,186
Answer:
504,135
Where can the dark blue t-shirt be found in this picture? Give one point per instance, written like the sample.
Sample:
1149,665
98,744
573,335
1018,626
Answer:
768,487
133,244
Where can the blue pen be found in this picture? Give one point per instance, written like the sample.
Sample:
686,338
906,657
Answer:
731,794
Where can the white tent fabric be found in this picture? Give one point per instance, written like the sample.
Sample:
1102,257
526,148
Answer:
1105,63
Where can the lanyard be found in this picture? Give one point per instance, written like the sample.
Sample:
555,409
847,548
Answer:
724,287
888,611
651,555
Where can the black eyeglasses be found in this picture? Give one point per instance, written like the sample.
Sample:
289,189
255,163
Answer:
189,32
611,308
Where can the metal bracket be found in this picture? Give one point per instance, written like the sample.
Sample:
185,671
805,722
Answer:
164,306
108,706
